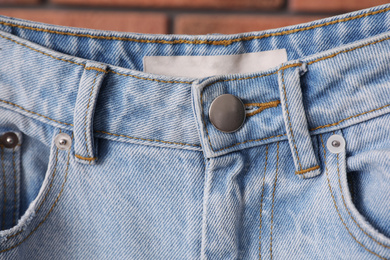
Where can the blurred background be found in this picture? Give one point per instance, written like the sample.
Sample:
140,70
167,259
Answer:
180,16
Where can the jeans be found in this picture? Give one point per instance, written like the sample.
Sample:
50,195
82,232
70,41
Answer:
102,160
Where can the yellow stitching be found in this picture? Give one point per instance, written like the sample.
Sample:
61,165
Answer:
261,139
151,79
262,195
96,69
85,158
333,124
273,197
337,209
92,68
29,111
15,194
47,192
289,121
138,138
262,106
48,213
349,213
201,104
215,42
86,113
5,188
308,170
155,140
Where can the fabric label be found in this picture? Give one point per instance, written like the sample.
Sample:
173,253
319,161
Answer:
204,66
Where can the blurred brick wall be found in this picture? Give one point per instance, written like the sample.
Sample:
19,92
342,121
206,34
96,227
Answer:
180,16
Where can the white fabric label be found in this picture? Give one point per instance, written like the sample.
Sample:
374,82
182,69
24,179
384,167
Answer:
204,66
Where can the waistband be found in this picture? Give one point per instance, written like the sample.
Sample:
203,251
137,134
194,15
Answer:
91,82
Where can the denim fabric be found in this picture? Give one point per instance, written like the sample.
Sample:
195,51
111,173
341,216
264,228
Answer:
148,176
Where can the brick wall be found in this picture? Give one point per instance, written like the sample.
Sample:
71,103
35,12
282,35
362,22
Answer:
180,16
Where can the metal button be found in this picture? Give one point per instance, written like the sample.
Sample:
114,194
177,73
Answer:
227,113
9,140
63,141
336,144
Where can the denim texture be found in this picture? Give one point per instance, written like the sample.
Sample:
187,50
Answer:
149,177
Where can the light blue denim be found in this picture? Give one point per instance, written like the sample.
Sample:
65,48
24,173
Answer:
149,177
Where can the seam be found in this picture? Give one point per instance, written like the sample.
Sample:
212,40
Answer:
337,209
262,195
342,120
86,113
85,158
93,68
273,197
32,112
215,42
261,106
139,138
5,188
289,120
187,82
196,145
46,194
51,209
308,170
349,213
247,141
15,183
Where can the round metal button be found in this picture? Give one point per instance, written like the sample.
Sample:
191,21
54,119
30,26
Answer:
9,140
227,113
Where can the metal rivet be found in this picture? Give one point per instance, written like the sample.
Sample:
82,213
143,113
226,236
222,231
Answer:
336,144
227,113
9,140
63,141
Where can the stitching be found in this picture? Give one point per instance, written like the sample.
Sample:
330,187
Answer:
349,213
93,68
86,113
155,140
32,112
262,195
201,102
273,196
289,120
342,120
308,170
145,139
51,209
215,42
46,194
335,205
14,167
151,79
5,188
261,106
85,158
261,139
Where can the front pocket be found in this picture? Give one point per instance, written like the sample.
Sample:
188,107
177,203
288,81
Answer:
10,149
357,226
33,218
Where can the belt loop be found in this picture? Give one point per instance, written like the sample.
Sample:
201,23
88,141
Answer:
306,163
91,80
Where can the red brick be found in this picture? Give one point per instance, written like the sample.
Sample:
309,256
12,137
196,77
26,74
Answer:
103,20
228,24
333,5
197,4
18,2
